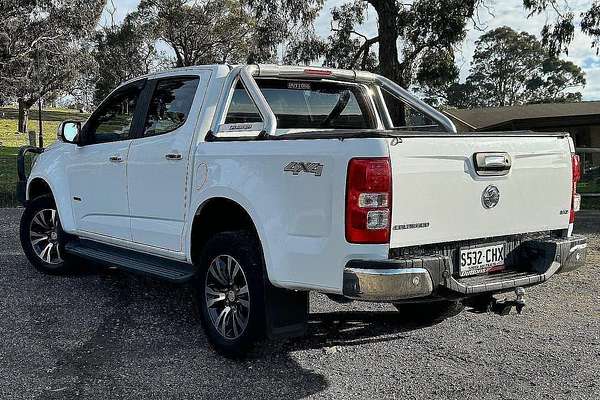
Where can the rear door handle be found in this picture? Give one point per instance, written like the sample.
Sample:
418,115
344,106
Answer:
115,159
173,156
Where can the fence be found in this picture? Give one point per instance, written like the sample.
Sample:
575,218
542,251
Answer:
589,187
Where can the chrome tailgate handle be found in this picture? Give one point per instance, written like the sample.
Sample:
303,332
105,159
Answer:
492,164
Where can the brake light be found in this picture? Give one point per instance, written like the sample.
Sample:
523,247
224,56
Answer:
368,200
576,198
317,72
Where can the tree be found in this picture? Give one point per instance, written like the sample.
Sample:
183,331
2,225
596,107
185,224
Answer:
41,50
122,52
414,39
224,31
557,35
199,32
277,21
511,68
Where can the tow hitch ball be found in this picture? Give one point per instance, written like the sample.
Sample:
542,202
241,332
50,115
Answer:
501,307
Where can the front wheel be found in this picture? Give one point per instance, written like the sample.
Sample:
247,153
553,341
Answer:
230,292
41,236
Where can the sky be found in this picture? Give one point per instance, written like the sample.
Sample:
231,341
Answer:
502,12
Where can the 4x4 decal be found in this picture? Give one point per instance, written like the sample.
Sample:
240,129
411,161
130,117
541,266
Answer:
295,167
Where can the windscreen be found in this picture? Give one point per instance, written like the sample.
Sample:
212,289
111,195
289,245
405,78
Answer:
305,105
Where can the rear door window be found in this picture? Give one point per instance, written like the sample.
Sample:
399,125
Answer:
305,105
170,105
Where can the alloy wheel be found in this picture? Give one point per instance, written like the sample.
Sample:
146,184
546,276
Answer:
227,296
43,234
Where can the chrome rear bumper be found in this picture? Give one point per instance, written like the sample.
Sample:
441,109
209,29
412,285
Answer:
435,275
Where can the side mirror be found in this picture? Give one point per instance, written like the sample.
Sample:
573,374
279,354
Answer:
69,131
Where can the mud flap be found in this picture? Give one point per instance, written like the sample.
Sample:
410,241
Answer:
286,312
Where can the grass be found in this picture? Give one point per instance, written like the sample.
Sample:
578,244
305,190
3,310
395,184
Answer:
11,141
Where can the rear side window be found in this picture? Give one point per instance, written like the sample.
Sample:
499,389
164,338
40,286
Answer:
170,105
305,105
407,118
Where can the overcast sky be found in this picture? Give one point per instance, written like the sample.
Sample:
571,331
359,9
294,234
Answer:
507,12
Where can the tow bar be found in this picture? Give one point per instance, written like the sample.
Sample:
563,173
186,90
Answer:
489,303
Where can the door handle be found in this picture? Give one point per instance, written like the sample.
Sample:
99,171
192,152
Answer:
115,159
173,156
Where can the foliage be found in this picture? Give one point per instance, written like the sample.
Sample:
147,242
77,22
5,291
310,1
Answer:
276,21
415,41
41,52
557,35
199,32
511,68
121,52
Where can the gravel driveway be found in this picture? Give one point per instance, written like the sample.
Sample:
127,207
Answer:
103,334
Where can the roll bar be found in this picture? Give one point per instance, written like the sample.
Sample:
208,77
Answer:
247,73
414,102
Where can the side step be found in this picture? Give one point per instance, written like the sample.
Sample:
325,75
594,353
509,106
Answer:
133,261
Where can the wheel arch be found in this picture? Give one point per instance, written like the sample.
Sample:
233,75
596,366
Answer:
219,214
38,187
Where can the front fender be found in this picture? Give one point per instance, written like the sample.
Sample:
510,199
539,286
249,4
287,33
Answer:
50,167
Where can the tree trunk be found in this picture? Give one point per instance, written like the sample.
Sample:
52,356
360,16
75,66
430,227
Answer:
387,14
23,116
389,64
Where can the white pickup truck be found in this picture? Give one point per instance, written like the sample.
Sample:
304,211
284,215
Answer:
260,183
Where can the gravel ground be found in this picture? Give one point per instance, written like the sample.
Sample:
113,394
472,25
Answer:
103,334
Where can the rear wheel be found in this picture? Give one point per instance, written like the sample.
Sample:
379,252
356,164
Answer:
430,312
41,236
230,292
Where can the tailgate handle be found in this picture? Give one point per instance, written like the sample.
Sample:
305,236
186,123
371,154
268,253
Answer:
492,164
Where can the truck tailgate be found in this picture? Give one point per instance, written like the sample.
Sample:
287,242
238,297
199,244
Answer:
438,192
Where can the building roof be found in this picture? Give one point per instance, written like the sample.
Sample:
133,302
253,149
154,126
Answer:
482,118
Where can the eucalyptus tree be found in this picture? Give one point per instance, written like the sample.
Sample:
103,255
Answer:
42,48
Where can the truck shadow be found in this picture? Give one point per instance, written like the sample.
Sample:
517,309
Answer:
148,341
331,330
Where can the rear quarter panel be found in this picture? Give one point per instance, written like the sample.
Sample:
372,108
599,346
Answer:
299,218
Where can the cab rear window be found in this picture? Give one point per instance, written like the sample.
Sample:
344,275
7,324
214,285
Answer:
305,105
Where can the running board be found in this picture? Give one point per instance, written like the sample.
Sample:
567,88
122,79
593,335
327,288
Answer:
132,261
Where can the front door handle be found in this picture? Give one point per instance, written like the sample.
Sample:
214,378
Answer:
173,156
115,159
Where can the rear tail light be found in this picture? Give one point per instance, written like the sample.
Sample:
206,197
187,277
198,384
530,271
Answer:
576,198
368,200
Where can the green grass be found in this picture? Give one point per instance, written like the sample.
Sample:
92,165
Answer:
591,186
11,141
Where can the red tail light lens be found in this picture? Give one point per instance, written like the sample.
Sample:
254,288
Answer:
369,200
576,198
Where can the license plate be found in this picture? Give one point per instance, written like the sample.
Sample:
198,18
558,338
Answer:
479,260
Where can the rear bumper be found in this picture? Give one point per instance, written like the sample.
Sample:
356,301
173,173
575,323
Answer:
436,276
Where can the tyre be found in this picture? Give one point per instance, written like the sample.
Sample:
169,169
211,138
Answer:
42,236
431,312
230,293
